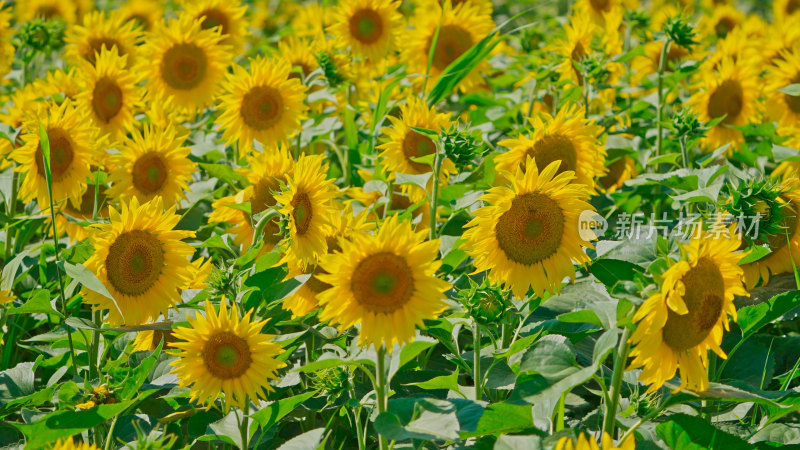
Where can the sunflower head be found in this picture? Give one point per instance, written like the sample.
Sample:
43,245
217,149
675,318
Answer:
368,27
223,352
101,31
225,16
69,444
585,442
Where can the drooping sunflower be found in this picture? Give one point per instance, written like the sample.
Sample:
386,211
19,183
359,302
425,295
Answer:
74,146
731,92
677,325
385,282
569,137
585,442
227,15
405,143
183,61
69,444
783,108
265,173
527,236
461,28
369,28
225,353
6,48
262,103
100,30
142,261
577,45
110,94
145,14
46,9
153,162
308,204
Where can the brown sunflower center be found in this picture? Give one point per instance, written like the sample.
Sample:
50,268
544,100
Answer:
158,335
552,148
215,18
705,291
106,99
366,26
600,5
314,283
150,173
727,98
48,12
416,145
262,107
141,20
302,212
262,197
724,26
97,44
788,226
61,154
134,262
227,355
792,6
87,203
531,230
382,282
577,54
184,66
793,102
453,42
615,171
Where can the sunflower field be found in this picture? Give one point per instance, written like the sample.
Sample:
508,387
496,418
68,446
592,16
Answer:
400,224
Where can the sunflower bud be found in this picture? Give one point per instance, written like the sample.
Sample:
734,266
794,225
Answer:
41,35
332,382
486,303
329,68
462,146
758,200
680,32
686,124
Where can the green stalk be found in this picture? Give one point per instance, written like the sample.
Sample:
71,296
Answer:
381,390
243,426
476,360
620,358
431,53
662,63
12,210
437,167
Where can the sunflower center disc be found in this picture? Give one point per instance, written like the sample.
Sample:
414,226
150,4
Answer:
134,262
96,46
382,282
61,154
141,20
531,230
793,102
47,12
416,145
262,197
262,107
727,98
724,26
314,283
553,148
366,26
600,5
301,212
214,18
453,42
787,225
705,290
149,173
792,6
106,99
227,355
184,66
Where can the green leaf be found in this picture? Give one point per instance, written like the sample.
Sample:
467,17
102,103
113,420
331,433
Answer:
140,373
38,303
89,280
419,180
449,382
756,252
503,417
753,318
224,172
409,352
682,432
306,441
792,89
551,357
612,271
16,382
275,411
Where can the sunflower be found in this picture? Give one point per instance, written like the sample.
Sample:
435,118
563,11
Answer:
783,9
110,95
266,172
676,326
405,143
311,20
307,203
145,14
598,10
461,28
226,353
262,103
65,10
783,108
785,246
579,34
305,300
369,28
60,85
620,170
482,7
6,294
186,62
585,442
76,229
141,260
69,444
152,163
385,282
300,54
528,234
722,21
731,92
74,146
149,340
228,16
99,31
568,137
6,48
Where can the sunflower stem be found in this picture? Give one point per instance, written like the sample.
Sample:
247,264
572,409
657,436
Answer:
243,426
94,368
12,210
380,390
476,360
437,167
620,358
662,62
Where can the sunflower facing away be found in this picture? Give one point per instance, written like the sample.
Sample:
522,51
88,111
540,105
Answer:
100,31
152,163
265,172
262,103
308,204
141,260
225,353
461,28
227,16
73,147
186,62
732,92
369,27
676,326
110,93
568,137
528,234
585,442
385,282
